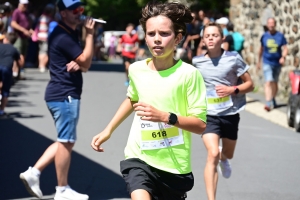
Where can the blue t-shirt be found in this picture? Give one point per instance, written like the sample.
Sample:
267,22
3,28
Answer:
272,47
52,25
64,47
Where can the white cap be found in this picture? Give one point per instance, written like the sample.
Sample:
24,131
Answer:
23,1
222,20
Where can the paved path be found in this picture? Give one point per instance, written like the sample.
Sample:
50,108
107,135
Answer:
265,167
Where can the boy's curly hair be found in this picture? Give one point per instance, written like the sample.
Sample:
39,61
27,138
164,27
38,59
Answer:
178,13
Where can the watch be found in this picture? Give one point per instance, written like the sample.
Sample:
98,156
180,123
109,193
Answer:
236,90
172,119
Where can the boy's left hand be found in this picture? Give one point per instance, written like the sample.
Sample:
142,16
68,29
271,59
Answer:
149,113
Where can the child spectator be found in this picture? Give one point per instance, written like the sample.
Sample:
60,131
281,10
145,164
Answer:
8,54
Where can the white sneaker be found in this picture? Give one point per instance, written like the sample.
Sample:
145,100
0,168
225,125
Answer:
69,194
15,74
224,168
32,183
42,69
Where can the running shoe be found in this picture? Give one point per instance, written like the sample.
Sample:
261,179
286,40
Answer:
69,194
269,106
32,183
224,168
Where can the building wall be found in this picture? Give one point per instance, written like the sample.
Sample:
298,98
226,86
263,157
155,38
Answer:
248,17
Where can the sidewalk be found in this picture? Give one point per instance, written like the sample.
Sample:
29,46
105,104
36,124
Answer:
256,104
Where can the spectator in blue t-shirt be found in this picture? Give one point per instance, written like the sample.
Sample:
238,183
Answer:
273,51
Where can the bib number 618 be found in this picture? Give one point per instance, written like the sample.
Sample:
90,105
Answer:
159,134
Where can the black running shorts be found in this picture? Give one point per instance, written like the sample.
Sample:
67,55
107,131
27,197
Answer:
126,59
224,126
161,185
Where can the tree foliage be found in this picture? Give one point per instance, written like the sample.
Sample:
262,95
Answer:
214,6
118,13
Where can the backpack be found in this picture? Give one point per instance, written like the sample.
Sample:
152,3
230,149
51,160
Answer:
238,41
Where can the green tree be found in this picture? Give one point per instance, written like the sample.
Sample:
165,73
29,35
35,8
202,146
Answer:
117,13
215,6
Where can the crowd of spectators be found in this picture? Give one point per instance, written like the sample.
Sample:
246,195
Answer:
32,28
23,40
192,44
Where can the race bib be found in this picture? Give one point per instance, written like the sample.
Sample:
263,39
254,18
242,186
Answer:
214,102
128,47
157,135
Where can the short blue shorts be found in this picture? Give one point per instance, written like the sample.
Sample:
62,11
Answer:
271,73
6,79
65,115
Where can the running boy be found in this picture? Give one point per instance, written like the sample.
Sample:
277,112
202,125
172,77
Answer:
169,100
8,54
129,43
227,80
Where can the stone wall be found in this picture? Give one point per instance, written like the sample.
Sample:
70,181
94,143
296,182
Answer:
247,16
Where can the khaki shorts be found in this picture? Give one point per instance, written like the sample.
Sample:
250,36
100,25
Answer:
21,45
43,47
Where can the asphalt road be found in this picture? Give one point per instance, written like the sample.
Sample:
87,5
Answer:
265,165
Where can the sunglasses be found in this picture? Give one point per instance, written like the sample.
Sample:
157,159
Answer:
78,10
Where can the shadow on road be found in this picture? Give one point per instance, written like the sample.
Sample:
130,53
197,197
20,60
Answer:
21,147
281,105
253,101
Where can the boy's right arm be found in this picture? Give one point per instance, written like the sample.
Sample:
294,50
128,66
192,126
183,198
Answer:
123,112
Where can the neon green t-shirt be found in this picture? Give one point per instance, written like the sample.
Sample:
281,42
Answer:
180,90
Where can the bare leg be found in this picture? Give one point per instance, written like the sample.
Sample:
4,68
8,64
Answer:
3,103
127,64
43,60
274,87
62,162
268,91
15,69
47,157
140,195
189,54
211,142
227,149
